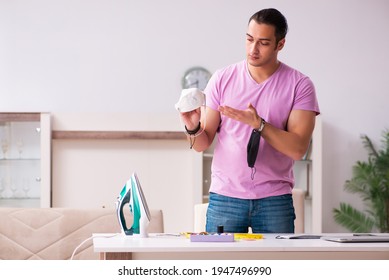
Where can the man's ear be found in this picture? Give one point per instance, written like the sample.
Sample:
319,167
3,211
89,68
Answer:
281,44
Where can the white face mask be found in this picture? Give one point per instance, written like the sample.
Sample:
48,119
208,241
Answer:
190,99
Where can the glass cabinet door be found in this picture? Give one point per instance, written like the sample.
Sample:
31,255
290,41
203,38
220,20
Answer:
23,158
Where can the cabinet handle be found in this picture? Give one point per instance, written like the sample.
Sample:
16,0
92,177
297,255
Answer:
38,179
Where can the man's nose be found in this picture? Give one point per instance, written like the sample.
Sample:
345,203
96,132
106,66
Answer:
254,49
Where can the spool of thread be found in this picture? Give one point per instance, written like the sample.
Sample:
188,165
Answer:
220,229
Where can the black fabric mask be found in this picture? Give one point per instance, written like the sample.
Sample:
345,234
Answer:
253,147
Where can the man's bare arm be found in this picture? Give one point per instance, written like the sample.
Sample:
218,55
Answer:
295,140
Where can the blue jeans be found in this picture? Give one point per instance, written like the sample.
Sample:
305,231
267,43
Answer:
267,215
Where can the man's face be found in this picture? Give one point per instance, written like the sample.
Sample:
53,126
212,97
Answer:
261,46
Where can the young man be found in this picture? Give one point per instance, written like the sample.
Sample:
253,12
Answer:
264,97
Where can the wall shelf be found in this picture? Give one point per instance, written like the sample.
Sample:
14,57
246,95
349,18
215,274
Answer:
118,135
20,117
19,159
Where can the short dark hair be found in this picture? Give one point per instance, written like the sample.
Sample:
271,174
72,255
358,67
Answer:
272,17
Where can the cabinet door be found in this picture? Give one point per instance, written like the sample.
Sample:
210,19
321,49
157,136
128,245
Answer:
25,160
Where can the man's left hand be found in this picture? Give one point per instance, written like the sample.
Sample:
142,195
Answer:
248,116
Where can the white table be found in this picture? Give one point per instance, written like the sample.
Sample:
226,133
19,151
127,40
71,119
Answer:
165,246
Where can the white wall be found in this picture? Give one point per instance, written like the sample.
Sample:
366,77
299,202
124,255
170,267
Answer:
129,56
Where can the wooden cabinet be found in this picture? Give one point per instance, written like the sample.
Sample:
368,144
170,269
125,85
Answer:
25,160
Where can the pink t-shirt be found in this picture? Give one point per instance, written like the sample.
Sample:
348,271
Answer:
274,99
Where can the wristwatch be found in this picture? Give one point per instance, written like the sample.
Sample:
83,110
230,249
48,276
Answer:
263,122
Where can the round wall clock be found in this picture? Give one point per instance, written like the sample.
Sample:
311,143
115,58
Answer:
196,77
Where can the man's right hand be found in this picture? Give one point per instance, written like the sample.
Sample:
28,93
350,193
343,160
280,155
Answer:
191,119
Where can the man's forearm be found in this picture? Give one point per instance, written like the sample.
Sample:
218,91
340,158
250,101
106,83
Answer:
200,142
295,141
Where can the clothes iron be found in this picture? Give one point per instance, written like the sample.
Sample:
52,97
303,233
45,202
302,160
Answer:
132,194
